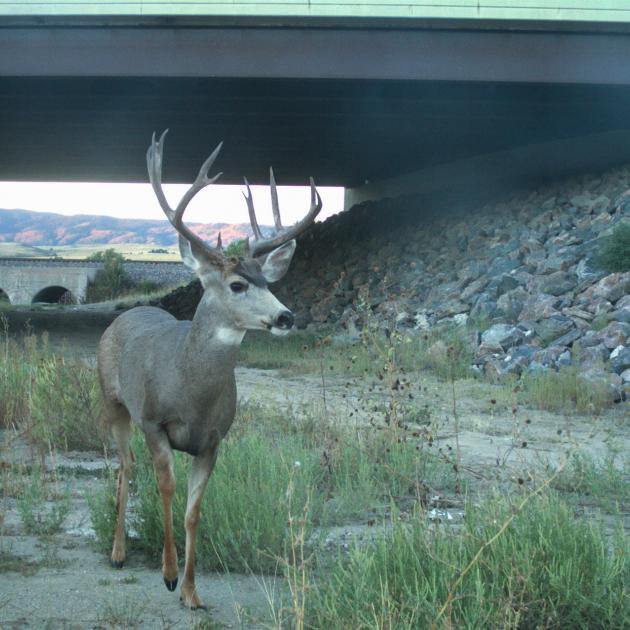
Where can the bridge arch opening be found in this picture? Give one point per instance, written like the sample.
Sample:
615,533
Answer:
4,297
55,295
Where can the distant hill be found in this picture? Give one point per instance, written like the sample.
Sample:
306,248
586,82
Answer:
47,228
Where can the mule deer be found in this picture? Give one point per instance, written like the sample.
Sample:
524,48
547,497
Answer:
175,379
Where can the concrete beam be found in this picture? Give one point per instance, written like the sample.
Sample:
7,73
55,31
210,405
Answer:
484,178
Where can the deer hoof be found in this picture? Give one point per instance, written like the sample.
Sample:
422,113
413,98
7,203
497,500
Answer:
117,564
171,585
192,605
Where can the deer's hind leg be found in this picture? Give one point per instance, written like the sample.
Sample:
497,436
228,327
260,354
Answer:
117,417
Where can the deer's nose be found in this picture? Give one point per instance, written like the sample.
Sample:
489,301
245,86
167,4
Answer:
284,320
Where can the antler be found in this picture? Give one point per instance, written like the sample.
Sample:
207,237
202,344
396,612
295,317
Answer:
154,166
261,245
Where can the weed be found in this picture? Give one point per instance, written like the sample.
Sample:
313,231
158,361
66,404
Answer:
565,389
102,508
41,509
604,482
120,612
547,569
54,401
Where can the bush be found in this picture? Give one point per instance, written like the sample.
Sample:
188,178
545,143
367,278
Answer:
112,280
614,251
237,248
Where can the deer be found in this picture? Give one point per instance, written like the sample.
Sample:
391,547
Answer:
175,379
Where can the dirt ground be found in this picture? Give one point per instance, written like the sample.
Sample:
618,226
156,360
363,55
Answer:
62,582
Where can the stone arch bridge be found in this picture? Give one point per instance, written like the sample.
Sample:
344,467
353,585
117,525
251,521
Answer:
25,281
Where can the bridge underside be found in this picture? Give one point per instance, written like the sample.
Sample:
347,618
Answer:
347,106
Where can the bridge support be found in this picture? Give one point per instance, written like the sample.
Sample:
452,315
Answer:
482,179
23,282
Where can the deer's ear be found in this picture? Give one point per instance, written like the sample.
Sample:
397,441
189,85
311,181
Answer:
194,258
278,261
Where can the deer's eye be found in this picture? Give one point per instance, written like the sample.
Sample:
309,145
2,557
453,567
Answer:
238,287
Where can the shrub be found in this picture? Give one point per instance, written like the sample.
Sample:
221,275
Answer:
613,254
41,510
236,248
112,280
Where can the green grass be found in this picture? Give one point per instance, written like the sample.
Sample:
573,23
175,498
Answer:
269,468
41,506
54,401
604,482
131,251
564,391
547,570
445,351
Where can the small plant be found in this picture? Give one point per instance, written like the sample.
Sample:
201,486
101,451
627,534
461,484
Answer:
102,507
41,510
613,254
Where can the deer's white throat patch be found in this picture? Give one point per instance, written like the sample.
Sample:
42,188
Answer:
231,336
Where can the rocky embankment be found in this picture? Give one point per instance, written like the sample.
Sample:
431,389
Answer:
519,273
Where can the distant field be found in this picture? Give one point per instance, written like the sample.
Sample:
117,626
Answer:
131,251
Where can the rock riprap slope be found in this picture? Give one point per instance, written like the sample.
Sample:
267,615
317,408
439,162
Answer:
519,273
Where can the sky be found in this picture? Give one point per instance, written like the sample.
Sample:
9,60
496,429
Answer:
214,204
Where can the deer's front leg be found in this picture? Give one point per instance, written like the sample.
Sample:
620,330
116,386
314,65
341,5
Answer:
200,472
163,464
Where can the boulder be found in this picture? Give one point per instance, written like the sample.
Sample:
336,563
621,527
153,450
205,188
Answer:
620,359
558,283
503,335
553,327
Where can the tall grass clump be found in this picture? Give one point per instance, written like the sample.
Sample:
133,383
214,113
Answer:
55,402
546,570
565,389
613,254
256,484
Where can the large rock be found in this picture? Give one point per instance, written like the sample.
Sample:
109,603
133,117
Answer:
558,283
553,327
620,359
610,288
502,335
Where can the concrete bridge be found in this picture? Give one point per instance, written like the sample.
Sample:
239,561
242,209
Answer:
381,98
27,282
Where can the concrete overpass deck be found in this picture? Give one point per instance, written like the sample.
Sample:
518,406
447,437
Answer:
350,99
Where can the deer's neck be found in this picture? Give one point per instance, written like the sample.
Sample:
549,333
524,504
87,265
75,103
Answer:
212,344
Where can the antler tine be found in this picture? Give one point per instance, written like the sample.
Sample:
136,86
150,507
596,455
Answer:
249,199
154,167
263,246
275,206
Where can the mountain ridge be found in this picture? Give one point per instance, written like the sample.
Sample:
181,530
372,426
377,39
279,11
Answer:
29,227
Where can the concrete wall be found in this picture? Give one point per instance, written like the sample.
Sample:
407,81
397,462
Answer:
22,280
23,283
